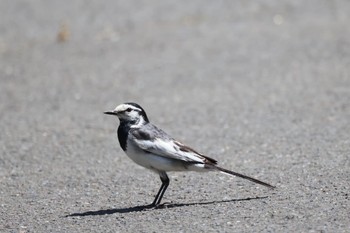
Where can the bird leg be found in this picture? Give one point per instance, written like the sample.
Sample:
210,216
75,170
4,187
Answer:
165,183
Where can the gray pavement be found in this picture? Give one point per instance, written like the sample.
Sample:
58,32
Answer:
263,87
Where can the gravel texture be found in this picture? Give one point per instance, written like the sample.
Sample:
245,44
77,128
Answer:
261,86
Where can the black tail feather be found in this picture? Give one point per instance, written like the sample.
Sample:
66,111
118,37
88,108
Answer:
244,177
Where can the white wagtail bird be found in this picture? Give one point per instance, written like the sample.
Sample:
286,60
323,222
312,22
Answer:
152,148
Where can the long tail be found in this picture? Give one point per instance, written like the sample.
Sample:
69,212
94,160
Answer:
244,177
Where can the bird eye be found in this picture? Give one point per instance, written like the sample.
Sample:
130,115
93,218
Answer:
128,110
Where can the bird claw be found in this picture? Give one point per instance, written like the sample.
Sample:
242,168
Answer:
159,206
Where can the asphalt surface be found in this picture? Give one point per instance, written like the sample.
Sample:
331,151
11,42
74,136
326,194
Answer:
263,87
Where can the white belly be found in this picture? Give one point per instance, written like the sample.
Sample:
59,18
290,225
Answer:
154,162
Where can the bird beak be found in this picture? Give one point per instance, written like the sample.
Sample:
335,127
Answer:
110,113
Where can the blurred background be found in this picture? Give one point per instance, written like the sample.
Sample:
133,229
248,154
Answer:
262,86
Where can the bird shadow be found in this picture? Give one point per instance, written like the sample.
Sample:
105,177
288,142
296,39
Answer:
150,207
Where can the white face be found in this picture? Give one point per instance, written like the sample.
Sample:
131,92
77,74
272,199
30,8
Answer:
128,112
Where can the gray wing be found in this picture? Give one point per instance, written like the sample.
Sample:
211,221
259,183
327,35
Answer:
154,140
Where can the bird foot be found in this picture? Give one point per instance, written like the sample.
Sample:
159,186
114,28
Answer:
159,206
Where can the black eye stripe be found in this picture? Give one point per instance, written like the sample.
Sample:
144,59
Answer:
129,109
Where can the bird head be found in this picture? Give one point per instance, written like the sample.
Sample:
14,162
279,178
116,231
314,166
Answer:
129,112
